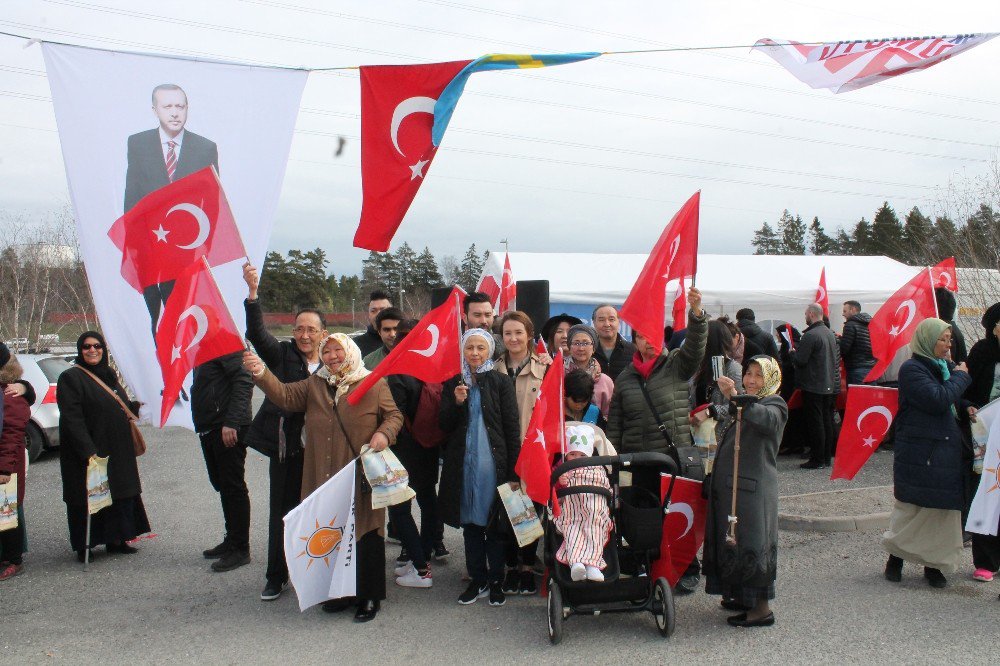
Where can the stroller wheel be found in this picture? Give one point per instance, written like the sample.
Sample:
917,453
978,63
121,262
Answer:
555,612
663,608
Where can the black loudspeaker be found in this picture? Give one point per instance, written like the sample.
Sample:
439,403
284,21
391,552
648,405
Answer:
533,300
439,296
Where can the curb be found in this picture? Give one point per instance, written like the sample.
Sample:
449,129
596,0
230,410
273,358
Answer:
792,523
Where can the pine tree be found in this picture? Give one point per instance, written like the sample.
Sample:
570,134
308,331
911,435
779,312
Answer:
887,233
404,260
792,232
273,282
425,271
819,242
861,238
843,244
470,269
765,241
918,238
945,241
980,236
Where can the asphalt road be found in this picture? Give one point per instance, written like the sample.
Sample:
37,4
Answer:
165,605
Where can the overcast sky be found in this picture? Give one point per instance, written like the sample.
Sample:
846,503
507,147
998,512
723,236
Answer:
590,157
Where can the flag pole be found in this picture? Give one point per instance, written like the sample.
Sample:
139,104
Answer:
458,312
930,278
86,541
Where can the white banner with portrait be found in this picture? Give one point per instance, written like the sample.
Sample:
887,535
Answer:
129,125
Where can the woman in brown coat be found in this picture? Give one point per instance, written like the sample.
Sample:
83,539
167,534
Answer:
335,431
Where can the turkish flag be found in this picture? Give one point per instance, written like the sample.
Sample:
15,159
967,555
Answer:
680,308
508,288
431,352
683,528
821,296
893,325
397,114
195,328
674,257
945,275
175,226
869,413
545,435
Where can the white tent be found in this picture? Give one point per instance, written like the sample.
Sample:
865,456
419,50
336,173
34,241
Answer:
775,287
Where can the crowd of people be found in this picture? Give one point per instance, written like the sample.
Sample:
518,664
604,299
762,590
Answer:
460,439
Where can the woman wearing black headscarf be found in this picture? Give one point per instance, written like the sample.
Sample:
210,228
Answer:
92,423
984,368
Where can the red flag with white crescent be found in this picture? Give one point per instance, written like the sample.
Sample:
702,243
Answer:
397,114
821,296
683,528
195,328
431,352
945,275
674,257
869,413
173,227
544,436
680,308
893,325
508,288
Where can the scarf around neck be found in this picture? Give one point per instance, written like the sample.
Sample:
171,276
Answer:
593,368
644,368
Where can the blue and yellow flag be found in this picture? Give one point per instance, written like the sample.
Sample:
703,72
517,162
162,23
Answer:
448,98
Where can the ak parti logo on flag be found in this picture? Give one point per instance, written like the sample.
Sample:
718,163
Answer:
173,227
196,327
322,543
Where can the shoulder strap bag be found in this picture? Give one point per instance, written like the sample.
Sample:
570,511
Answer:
688,457
138,441
366,488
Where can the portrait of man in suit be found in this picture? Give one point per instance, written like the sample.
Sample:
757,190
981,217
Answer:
158,157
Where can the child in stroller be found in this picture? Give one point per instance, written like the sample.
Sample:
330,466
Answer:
585,520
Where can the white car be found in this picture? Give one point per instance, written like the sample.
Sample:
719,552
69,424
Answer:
42,372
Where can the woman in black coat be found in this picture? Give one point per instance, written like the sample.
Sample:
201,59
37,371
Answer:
929,466
984,363
480,418
92,423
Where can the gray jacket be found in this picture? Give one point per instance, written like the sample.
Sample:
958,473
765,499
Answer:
817,360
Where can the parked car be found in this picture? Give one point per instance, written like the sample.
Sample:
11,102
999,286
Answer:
42,372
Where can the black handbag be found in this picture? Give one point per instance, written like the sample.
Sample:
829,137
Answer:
688,458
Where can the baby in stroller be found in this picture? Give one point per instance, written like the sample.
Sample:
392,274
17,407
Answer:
584,519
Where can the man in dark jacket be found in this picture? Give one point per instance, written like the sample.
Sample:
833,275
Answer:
817,374
946,305
614,353
386,323
220,408
276,433
746,320
856,343
370,340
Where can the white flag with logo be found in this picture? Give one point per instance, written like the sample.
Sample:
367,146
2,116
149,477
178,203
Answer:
985,511
320,545
131,125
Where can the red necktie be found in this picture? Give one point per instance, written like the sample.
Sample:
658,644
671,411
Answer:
171,160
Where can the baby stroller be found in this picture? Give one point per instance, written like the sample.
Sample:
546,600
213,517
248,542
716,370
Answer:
637,528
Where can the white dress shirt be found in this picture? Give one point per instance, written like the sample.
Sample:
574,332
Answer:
164,139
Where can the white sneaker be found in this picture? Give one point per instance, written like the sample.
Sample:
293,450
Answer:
594,574
404,569
414,579
578,571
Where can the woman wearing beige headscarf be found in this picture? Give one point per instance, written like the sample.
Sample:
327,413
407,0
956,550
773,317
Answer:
744,572
929,469
335,432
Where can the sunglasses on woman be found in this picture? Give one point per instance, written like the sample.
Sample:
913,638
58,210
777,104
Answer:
94,345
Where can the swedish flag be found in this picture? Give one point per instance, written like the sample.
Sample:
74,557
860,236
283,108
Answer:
445,105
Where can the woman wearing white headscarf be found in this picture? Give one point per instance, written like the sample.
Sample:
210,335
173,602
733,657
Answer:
744,572
335,432
479,415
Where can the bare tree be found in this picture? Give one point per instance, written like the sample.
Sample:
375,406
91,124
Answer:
45,287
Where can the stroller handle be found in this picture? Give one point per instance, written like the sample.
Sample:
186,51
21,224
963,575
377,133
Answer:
626,460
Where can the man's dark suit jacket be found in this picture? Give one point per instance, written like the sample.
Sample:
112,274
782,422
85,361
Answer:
147,170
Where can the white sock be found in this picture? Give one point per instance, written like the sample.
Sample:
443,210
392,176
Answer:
578,571
594,574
